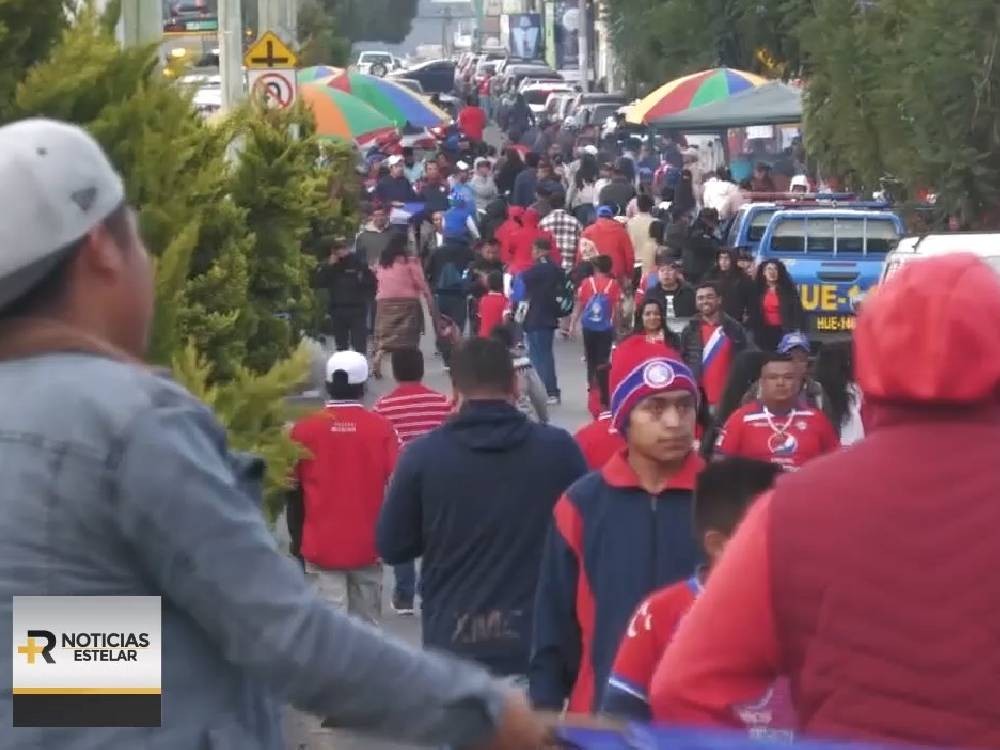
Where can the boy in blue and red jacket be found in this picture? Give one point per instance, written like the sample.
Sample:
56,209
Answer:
723,493
618,534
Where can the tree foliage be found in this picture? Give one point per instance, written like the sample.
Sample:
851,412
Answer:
28,29
319,41
226,212
373,20
908,89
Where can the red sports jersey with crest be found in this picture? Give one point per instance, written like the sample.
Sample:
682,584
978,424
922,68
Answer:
789,440
650,631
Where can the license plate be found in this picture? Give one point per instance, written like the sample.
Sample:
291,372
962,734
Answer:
833,323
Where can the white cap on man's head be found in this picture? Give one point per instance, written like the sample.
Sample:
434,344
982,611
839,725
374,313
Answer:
462,166
590,148
56,184
394,160
353,363
799,180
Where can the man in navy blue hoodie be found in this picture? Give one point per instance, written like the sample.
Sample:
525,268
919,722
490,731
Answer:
474,499
620,533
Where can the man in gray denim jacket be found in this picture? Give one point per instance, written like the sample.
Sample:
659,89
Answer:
115,481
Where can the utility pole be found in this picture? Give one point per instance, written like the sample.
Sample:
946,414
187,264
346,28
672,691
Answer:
584,45
280,17
141,22
445,26
231,53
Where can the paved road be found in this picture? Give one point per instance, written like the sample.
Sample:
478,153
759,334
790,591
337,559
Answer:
571,415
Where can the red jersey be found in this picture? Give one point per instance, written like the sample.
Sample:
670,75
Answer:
413,409
472,122
716,359
788,440
605,285
599,441
352,452
491,309
649,632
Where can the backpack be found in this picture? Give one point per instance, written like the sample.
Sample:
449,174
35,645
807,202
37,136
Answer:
565,296
598,315
450,279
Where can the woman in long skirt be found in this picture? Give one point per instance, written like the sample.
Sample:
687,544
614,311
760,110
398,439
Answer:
399,316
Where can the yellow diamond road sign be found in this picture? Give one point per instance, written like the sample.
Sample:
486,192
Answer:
269,52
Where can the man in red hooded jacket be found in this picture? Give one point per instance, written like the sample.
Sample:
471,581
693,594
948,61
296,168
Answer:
611,238
869,577
522,241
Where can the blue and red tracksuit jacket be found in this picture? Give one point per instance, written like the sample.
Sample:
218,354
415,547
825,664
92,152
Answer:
611,544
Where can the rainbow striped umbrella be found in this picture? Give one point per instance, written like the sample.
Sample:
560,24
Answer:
396,102
342,116
690,92
314,73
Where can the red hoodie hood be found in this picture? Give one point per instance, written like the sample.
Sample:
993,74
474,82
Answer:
515,212
931,334
530,218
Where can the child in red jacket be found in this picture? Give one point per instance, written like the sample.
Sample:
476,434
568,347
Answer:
599,440
723,493
492,305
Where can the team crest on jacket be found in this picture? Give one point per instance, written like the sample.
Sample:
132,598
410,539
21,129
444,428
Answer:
658,375
782,444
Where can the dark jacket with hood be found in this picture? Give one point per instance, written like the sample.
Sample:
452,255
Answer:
684,306
525,186
692,346
474,499
350,282
737,291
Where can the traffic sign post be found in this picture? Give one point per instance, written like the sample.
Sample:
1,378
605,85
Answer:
275,85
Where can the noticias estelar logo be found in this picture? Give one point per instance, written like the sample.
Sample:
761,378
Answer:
105,647
31,649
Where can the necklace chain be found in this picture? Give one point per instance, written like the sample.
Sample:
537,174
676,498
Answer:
775,428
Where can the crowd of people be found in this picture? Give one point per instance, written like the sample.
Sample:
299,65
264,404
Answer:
718,547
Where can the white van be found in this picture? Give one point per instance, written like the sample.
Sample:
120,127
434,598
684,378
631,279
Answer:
985,244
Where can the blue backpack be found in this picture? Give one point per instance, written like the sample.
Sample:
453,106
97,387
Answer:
598,314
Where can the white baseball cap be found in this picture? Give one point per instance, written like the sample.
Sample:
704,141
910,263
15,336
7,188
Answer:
352,363
462,166
590,148
56,184
394,160
800,180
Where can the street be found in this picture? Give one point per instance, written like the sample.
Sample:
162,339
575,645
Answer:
571,415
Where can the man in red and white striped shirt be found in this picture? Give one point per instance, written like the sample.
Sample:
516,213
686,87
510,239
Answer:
413,409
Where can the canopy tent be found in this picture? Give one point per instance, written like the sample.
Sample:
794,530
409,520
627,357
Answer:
691,92
772,103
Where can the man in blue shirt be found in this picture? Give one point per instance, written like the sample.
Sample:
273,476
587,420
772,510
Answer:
534,299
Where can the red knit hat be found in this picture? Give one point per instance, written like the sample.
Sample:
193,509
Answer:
639,369
931,334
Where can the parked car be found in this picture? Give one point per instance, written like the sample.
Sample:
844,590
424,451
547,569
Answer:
557,104
516,72
537,94
986,245
411,83
597,98
436,76
375,63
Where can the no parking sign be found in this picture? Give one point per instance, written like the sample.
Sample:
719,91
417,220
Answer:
276,85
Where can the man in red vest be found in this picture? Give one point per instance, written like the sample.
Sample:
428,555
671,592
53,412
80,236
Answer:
869,577
351,453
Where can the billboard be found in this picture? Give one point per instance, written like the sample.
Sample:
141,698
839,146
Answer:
190,16
566,34
521,34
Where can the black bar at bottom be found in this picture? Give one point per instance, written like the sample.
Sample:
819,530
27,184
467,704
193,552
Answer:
50,710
